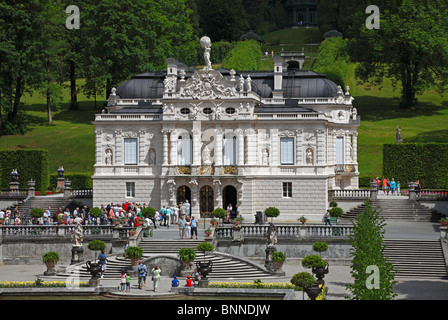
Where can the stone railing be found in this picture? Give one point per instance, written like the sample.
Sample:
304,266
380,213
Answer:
349,194
13,193
82,193
429,195
63,231
288,231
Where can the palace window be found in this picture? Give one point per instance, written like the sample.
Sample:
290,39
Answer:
339,150
184,149
229,152
287,189
287,151
130,189
130,151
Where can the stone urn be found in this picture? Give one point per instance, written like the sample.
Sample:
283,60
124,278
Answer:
94,269
320,272
204,268
50,268
313,292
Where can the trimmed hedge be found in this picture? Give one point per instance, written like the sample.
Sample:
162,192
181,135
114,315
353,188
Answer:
79,180
30,164
427,162
245,56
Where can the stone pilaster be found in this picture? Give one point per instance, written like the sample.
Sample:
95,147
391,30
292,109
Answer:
173,147
141,146
165,147
118,147
218,147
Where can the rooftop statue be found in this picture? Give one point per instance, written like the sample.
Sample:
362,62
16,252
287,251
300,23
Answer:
207,45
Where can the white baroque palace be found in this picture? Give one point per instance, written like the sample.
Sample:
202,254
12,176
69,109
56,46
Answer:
279,138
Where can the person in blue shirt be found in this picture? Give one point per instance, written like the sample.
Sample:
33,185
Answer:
168,217
163,214
102,260
175,282
194,227
393,185
142,271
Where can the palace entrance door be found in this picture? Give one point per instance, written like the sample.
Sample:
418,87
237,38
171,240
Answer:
183,193
206,201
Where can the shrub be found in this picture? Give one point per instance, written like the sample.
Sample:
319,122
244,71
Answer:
245,56
187,254
303,280
333,204
336,212
96,212
37,213
205,246
51,256
219,213
332,60
406,162
278,256
134,252
148,212
313,261
272,212
78,180
320,246
96,245
31,164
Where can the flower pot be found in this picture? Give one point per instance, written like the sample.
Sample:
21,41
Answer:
94,269
135,261
50,268
313,292
132,233
278,265
320,272
204,268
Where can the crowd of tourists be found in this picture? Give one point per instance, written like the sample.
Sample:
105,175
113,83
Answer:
392,187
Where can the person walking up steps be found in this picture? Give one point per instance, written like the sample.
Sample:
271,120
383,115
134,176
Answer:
155,272
142,271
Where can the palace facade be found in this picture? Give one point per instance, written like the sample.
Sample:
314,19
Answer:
279,138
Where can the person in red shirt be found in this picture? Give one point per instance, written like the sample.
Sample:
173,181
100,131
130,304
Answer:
189,282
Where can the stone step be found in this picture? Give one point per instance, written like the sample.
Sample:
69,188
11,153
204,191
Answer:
419,259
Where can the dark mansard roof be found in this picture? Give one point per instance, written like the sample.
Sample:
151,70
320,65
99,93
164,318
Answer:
296,84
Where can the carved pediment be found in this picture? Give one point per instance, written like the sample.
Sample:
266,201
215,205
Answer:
206,85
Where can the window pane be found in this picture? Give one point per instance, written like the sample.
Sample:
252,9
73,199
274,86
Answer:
287,150
184,151
287,189
130,151
130,189
339,150
229,151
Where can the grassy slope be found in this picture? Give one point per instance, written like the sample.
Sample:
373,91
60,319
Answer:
70,140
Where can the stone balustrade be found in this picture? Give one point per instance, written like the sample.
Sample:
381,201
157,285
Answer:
289,231
63,231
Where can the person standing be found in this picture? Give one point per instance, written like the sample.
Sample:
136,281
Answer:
123,280
398,188
187,206
384,185
194,227
168,213
393,185
187,227
182,209
163,214
155,272
142,271
102,261
181,224
327,218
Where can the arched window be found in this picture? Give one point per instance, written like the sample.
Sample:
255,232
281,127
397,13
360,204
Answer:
184,149
229,152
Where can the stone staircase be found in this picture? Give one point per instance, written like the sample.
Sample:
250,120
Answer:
397,209
224,266
44,202
416,259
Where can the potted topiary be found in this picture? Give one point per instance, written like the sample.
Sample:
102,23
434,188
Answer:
96,213
50,259
305,282
443,221
336,212
318,266
213,222
208,232
186,256
204,267
132,232
238,221
219,213
302,220
272,212
278,258
135,254
148,212
36,213
320,247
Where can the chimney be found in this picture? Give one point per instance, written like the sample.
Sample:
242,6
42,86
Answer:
277,93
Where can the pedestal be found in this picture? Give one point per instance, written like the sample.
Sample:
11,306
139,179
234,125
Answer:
77,254
14,185
60,184
269,264
203,283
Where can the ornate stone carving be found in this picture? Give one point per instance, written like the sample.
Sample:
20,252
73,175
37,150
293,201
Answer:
129,134
108,159
207,85
170,84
